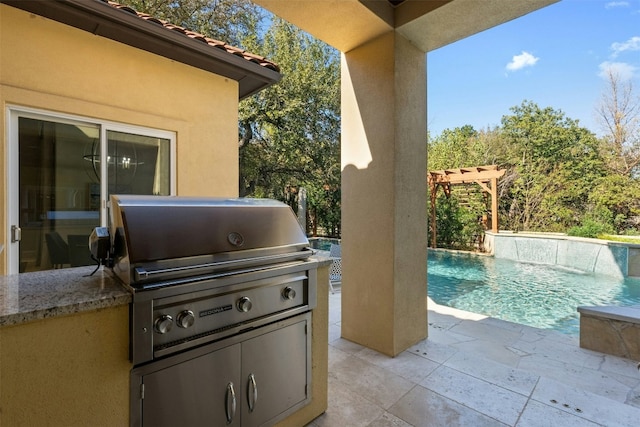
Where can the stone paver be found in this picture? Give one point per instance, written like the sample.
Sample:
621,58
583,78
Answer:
478,371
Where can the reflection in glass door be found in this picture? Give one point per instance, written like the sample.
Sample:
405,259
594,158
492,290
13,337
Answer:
62,185
56,215
137,164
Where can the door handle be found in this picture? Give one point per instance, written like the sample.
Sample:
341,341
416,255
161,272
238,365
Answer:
16,234
230,403
252,392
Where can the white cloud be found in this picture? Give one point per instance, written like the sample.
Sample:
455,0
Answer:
525,59
622,69
616,4
632,44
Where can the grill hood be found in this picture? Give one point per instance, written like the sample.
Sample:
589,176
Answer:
157,237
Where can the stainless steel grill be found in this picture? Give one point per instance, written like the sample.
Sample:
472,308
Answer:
228,281
160,238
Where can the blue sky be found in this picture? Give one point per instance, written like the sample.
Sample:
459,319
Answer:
553,57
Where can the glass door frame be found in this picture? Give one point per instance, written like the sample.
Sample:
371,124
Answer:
12,163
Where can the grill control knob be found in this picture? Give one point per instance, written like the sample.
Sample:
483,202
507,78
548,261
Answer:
244,304
289,293
163,324
185,319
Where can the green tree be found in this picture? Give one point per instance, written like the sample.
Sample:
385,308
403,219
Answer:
231,21
619,115
459,216
618,196
289,133
457,148
556,174
554,165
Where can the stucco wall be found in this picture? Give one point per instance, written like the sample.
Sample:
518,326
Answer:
51,66
74,370
67,371
383,155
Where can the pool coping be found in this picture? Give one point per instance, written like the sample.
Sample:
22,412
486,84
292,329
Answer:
629,314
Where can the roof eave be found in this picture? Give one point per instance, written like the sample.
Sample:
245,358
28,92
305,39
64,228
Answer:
103,20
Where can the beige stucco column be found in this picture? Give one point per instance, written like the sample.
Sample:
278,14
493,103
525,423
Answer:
384,194
384,210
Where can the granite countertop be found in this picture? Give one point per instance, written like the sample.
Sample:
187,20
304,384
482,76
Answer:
44,294
39,295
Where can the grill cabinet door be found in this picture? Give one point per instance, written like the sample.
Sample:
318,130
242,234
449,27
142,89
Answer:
277,362
195,392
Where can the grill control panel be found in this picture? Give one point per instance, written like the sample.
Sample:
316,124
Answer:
200,316
171,318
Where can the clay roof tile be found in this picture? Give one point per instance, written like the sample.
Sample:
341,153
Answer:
262,61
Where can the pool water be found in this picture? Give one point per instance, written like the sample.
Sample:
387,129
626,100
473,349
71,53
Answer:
541,296
323,243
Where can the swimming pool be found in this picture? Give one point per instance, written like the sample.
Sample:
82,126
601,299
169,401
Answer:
323,243
537,295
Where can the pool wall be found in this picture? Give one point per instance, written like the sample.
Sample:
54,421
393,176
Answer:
597,256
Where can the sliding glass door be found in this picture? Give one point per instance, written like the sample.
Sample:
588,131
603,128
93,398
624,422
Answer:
60,182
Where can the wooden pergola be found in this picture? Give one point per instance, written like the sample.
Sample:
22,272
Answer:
485,176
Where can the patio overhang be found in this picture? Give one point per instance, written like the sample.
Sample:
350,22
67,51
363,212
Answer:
427,24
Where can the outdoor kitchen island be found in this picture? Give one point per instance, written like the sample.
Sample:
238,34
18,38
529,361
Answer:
64,349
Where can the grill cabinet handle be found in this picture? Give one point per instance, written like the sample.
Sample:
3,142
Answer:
252,392
230,401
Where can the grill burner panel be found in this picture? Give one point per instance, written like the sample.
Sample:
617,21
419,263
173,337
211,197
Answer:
219,308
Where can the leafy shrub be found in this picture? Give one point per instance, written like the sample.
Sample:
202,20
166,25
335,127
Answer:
631,232
448,223
590,228
457,227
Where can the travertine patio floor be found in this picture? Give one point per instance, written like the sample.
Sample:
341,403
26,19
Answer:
478,371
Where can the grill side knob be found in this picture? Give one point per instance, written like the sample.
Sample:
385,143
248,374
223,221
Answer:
163,324
289,293
185,319
244,304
